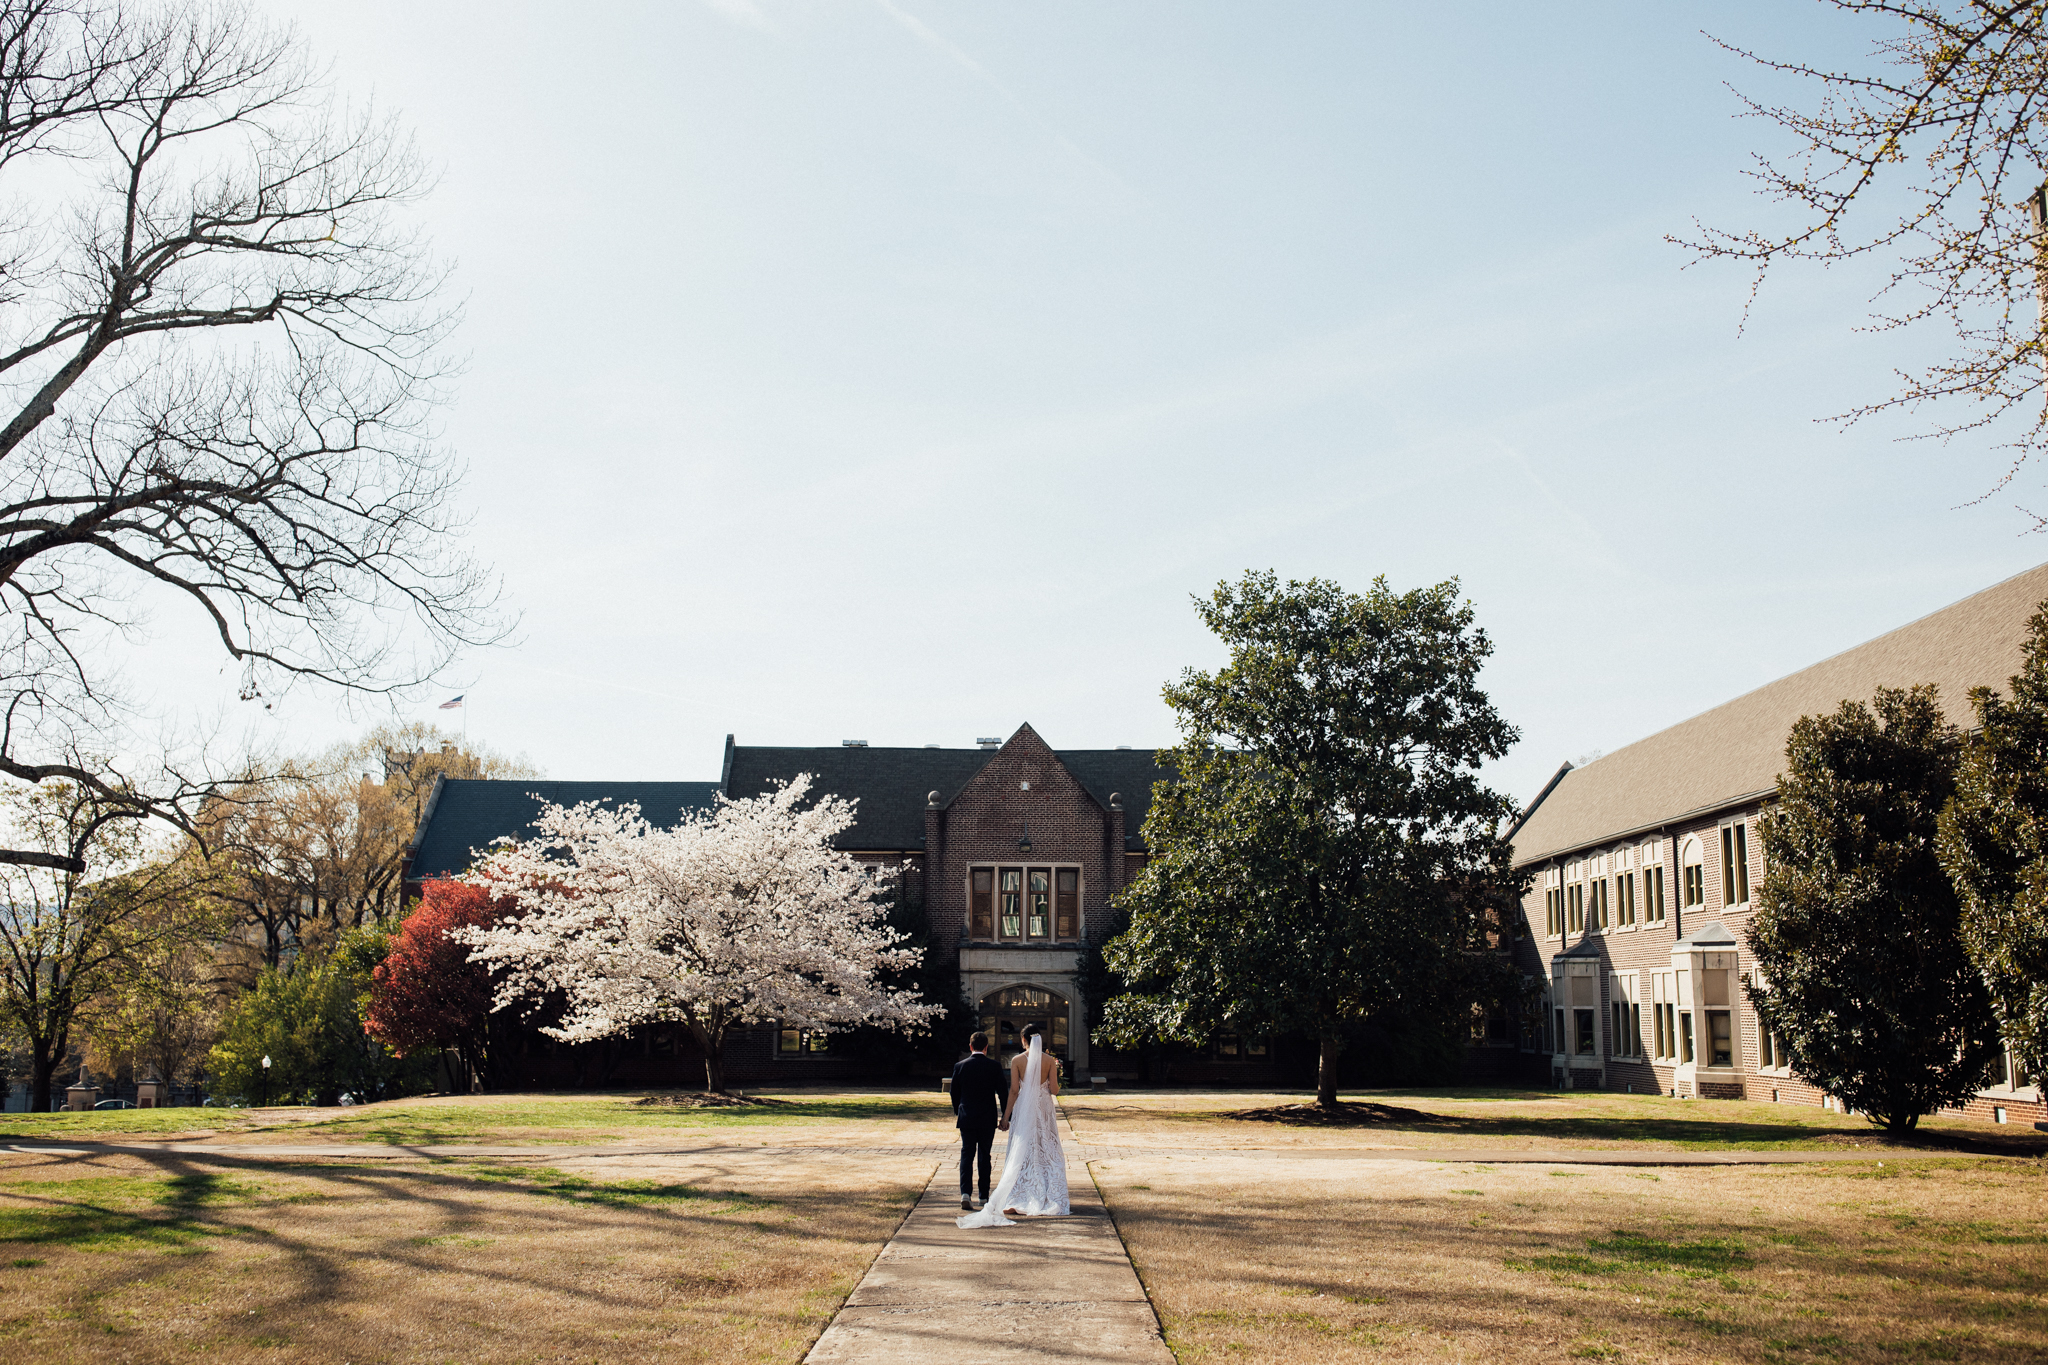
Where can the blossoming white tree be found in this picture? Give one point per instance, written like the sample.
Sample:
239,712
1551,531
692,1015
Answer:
742,915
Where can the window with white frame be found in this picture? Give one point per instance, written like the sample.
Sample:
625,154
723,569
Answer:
1579,1022
1692,864
1652,858
1596,893
1735,863
1624,888
1575,898
1663,1017
1771,1055
2007,1074
1553,902
1624,1015
802,1042
1717,1043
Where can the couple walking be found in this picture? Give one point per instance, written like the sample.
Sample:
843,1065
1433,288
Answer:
1034,1180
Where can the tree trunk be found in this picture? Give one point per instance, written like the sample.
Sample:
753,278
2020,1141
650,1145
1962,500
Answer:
714,1066
42,1066
1326,1072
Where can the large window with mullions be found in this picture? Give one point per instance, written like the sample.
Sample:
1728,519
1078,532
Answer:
1024,904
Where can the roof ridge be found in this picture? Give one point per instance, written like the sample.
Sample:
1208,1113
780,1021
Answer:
1823,662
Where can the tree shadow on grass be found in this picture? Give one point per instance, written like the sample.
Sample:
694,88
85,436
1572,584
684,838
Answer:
1696,1131
178,1199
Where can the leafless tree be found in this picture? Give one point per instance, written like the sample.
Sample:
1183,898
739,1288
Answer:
218,367
1930,159
316,848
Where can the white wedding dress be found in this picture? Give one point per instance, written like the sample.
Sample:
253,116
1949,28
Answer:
1034,1164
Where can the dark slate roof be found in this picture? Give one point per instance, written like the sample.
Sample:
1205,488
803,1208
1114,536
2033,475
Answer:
1130,772
892,785
473,813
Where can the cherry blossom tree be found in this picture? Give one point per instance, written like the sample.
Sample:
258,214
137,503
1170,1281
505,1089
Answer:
744,915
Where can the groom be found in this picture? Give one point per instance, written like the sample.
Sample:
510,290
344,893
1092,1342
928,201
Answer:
979,1090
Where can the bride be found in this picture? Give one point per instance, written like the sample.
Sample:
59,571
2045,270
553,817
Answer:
1034,1182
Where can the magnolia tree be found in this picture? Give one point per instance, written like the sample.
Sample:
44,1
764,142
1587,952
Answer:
739,916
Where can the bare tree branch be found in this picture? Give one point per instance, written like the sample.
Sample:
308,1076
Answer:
1947,133
218,369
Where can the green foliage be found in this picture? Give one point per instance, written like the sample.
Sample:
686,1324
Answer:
1328,856
73,946
308,1019
1856,925
1994,843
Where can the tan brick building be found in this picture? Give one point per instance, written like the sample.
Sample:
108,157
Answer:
1645,861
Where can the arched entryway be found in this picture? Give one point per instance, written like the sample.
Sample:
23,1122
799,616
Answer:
1004,1014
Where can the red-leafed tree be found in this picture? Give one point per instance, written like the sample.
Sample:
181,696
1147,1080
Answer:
426,992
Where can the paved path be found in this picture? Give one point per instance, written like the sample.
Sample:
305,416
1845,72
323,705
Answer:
1045,1290
1076,1151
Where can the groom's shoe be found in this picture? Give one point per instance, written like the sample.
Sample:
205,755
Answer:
967,1203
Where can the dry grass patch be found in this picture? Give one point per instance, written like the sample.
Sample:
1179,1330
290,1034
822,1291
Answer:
125,1258
856,1117
1335,1261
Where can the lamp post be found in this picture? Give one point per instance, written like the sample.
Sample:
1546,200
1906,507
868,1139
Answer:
266,1079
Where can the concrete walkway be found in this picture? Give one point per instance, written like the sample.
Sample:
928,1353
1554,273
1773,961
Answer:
1045,1290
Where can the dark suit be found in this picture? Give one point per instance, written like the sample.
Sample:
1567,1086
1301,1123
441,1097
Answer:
980,1090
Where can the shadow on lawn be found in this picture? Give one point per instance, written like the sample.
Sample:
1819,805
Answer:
420,1125
182,1205
1695,1133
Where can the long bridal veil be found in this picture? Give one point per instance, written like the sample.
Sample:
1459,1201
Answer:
1034,1164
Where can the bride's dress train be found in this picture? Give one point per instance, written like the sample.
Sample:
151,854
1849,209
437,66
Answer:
1034,1163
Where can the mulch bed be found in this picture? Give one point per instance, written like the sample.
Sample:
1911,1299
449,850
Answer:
1342,1115
706,1099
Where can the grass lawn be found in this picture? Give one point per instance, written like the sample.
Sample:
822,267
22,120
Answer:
1272,1258
119,1257
1459,1117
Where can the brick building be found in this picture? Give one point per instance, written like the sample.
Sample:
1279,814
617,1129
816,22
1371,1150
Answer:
1646,858
1011,848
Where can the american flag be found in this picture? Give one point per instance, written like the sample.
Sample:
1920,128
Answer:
452,705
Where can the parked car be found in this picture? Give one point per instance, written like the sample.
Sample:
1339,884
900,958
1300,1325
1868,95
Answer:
114,1104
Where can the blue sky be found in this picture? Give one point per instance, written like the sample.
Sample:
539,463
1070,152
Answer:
896,370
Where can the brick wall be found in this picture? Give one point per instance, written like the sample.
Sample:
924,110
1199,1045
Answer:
995,809
1647,948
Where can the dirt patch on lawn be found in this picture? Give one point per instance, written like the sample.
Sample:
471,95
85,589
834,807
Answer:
1343,1114
710,1099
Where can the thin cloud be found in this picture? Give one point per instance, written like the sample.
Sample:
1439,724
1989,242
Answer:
938,43
745,13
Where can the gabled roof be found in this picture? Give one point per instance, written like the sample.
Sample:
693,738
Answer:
468,815
892,786
1711,935
1732,754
